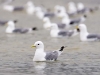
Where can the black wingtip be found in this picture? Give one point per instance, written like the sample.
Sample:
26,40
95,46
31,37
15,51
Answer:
34,28
71,22
85,16
61,49
15,21
91,10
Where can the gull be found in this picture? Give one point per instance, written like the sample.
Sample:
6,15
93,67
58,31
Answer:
4,22
42,14
60,11
47,24
72,8
85,35
41,55
11,28
78,21
81,9
56,32
29,8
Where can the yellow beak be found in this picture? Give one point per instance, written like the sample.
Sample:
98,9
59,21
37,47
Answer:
33,46
77,27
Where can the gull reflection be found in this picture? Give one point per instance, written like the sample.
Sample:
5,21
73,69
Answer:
39,67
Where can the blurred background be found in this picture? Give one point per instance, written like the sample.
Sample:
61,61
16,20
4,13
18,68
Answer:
16,54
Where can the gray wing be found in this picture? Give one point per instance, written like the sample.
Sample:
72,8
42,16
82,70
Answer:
18,8
91,36
75,21
63,33
51,55
20,30
62,26
70,33
49,15
82,11
3,22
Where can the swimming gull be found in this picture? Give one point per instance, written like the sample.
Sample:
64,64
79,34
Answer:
29,8
3,22
72,8
47,24
78,21
40,13
56,32
11,28
85,36
41,55
81,9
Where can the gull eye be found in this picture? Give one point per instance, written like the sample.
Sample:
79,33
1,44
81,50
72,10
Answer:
38,44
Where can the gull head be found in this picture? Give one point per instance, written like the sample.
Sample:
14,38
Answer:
38,44
29,3
11,23
82,28
30,8
11,27
54,30
72,8
80,6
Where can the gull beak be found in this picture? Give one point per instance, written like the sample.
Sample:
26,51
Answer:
77,29
33,46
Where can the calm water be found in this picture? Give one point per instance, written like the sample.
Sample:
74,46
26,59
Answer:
16,54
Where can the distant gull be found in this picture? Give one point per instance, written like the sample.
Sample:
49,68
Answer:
85,36
47,24
5,2
2,23
41,55
78,21
56,32
81,9
59,11
42,14
11,28
70,22
72,10
29,8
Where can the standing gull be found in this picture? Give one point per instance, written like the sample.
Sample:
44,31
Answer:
11,28
41,55
85,36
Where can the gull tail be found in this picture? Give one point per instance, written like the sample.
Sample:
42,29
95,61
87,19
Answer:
34,28
15,21
62,48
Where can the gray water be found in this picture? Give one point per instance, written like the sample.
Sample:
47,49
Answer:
16,54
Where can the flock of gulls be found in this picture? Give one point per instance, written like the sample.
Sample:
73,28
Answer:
73,16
